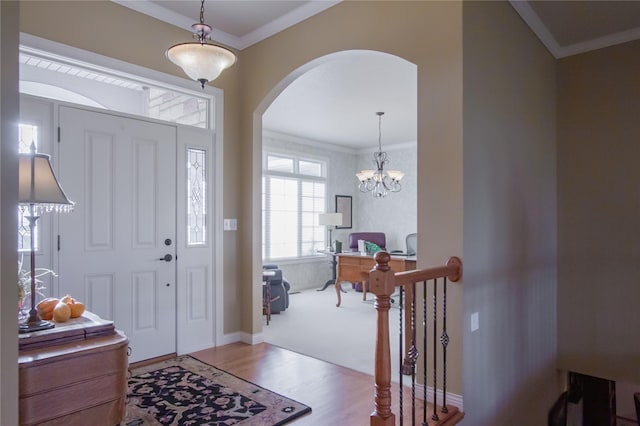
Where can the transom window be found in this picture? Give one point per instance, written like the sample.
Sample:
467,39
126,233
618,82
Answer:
293,194
27,135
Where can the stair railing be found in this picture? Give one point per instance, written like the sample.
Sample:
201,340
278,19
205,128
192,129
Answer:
383,283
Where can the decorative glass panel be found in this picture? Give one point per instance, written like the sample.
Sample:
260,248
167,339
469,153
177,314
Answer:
196,197
27,134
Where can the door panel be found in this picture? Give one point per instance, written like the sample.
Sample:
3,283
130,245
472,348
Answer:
121,173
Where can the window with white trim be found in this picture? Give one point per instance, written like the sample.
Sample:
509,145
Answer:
293,194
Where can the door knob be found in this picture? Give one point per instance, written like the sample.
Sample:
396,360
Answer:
167,257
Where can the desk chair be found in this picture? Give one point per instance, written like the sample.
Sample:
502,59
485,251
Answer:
411,241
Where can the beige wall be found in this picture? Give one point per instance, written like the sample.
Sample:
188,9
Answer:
425,33
118,32
8,218
599,211
510,249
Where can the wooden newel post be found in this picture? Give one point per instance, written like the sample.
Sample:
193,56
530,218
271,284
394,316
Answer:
382,284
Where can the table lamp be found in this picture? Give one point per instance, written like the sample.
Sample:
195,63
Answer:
38,188
330,220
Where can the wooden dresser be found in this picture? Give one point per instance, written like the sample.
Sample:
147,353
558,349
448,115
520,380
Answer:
73,374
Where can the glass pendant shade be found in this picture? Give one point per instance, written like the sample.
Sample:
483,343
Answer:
202,62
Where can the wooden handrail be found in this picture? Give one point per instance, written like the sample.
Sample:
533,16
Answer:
452,270
383,282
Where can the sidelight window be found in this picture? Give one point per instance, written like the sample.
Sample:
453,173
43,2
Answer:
27,134
196,197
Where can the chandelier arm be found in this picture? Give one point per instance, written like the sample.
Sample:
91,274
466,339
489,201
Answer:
379,182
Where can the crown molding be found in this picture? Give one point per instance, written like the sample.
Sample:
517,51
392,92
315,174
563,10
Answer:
599,43
285,21
285,137
542,32
294,17
533,21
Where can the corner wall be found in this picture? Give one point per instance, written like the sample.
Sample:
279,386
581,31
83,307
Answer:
599,213
9,111
510,270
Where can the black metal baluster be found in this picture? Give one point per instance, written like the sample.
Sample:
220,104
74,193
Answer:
424,351
444,339
401,401
413,354
435,349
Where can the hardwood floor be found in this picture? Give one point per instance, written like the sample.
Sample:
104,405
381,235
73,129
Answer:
336,395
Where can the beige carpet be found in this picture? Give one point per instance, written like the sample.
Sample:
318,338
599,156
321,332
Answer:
345,336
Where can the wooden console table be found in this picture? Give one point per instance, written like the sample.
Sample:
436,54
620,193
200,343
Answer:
355,267
73,374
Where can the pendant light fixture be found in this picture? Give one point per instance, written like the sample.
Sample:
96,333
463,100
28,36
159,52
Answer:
380,182
200,60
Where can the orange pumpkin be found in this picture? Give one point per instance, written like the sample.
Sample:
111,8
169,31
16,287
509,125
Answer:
45,307
77,308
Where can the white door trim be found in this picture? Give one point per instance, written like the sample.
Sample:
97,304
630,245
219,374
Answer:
151,76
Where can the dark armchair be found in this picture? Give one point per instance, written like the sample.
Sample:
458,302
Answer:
279,289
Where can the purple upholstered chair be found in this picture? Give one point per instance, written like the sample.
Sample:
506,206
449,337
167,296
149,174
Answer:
378,238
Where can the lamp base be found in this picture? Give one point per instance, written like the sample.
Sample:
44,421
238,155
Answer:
28,327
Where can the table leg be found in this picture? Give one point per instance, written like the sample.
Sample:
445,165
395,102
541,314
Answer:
332,281
266,301
327,284
338,288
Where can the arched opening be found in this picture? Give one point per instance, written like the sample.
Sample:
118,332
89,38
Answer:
325,113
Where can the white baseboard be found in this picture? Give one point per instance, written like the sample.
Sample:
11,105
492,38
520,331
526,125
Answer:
452,398
240,336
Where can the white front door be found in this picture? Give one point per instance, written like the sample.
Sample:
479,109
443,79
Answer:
117,249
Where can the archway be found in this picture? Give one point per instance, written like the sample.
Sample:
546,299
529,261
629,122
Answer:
365,82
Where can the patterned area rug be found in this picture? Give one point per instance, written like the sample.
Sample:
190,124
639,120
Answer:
185,391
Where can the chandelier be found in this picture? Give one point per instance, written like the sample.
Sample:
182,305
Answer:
200,60
380,182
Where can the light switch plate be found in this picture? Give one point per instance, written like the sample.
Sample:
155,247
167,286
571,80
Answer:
475,322
230,224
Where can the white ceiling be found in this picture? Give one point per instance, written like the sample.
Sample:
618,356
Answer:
336,102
